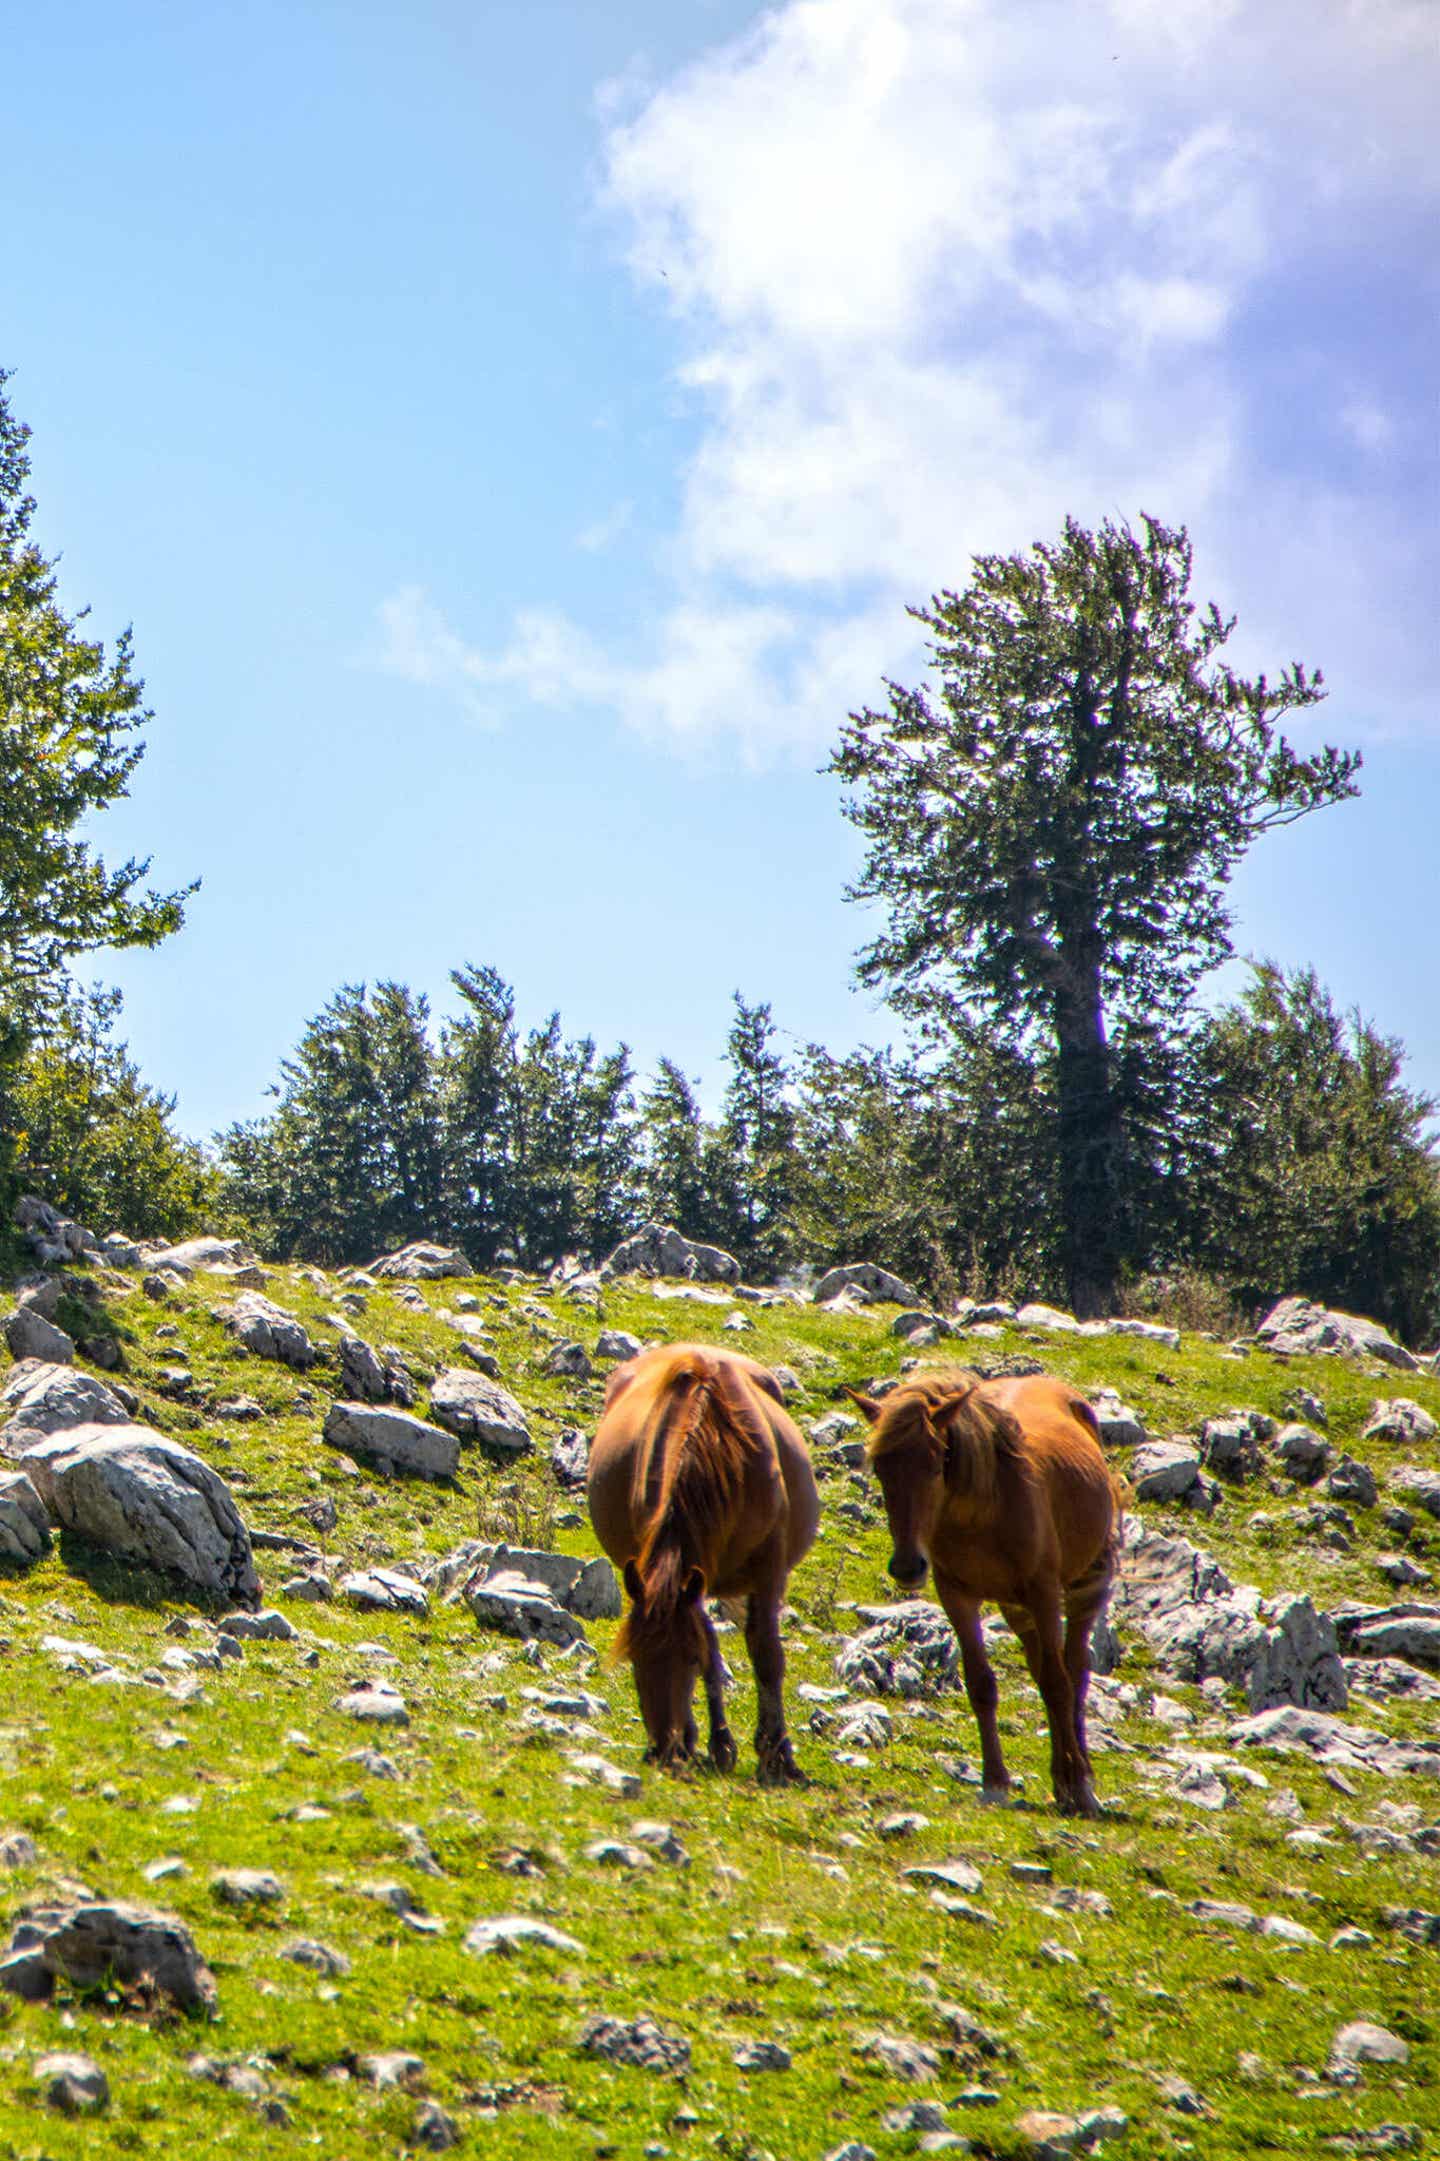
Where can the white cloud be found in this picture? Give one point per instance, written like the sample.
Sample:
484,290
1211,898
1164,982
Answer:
945,270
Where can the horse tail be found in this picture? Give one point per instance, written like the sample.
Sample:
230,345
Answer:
689,1478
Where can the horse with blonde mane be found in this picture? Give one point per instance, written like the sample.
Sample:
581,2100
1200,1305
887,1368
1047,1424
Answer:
700,1485
1002,1488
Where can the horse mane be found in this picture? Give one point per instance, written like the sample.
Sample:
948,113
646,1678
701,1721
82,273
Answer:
689,1478
981,1441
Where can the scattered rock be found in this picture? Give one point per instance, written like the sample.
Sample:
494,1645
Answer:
30,1335
376,1702
588,1588
384,1590
1165,1470
659,1250
422,1262
615,1343
1300,1330
52,1238
1406,1630
247,1887
1202,1626
24,1525
1333,1743
1302,1452
570,1457
392,1441
1352,1481
475,1408
205,1252
639,2042
1360,2043
596,1771
88,1944
899,2055
864,1282
268,1331
39,1397
1120,1427
433,2129
133,1492
761,2056
388,2069
508,1931
316,1957
1422,1486
266,1627
1395,1418
1231,1445
569,1361
908,1649
74,2084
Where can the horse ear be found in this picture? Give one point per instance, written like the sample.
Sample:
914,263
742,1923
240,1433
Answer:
870,1405
693,1589
632,1581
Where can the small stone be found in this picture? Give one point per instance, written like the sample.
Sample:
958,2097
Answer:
597,1772
1362,2042
265,1627
390,2068
504,1932
761,2056
247,1887
640,2043
317,1957
74,2084
1048,2136
433,2129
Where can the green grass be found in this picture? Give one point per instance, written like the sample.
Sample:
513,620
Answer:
793,1919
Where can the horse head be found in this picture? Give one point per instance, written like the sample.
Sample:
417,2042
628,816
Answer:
907,1454
667,1641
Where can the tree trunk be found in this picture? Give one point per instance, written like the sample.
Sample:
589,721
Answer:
1090,1146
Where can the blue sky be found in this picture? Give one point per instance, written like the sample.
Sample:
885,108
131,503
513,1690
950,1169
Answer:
515,431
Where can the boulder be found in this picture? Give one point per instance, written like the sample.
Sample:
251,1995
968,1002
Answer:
29,1335
24,1525
1120,1427
1351,1480
1298,1328
134,1493
475,1408
1395,1419
1302,1452
1231,1445
568,1361
39,1398
1293,1728
866,1283
384,1590
52,1238
908,1650
660,1250
1148,1331
362,1376
570,1457
1050,1317
1165,1470
1201,1626
73,2083
422,1261
118,1251
1407,1630
1422,1486
92,1943
515,1605
268,1331
616,1343
587,1588
392,1440
919,1328
195,1253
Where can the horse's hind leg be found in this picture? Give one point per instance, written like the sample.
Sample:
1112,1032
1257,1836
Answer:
1083,1604
980,1687
774,1755
723,1752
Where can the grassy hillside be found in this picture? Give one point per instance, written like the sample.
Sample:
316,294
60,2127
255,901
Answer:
792,1919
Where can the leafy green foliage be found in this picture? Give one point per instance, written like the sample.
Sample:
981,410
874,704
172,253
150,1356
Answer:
70,720
1314,1170
91,1136
1052,832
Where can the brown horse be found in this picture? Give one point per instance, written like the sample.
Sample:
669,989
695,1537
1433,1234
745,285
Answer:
701,1485
1002,1487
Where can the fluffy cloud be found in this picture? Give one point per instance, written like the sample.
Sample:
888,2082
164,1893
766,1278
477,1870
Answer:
944,270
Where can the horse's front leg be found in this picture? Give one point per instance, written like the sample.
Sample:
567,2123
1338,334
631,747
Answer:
723,1752
1038,1626
775,1757
980,1686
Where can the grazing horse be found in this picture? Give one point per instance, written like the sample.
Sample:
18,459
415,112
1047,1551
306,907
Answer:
1002,1487
700,1484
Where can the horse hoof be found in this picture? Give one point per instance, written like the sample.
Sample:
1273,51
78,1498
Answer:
724,1754
780,1771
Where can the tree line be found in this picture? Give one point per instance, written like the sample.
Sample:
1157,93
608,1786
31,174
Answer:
1052,821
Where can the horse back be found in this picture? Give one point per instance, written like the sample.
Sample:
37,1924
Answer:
1060,1443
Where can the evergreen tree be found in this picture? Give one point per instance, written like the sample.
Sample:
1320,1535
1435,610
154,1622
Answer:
759,1127
1313,1167
477,1081
1052,833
